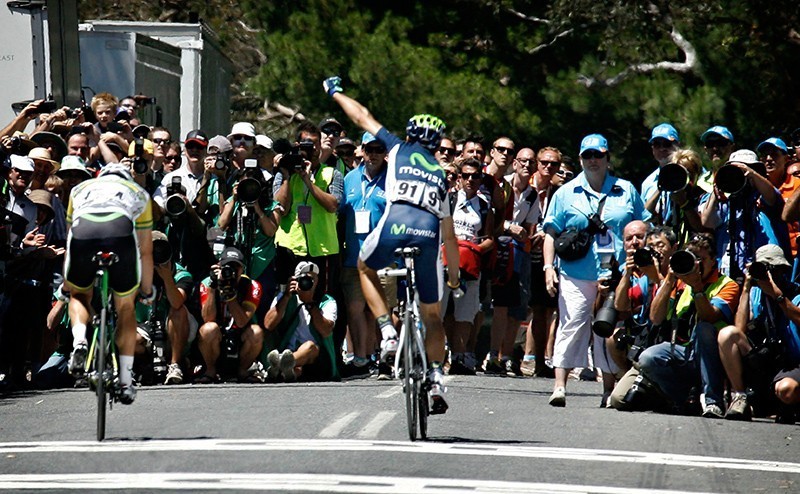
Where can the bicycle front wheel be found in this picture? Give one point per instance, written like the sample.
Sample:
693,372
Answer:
100,362
423,411
410,381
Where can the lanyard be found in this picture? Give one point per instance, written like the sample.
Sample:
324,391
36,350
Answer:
366,193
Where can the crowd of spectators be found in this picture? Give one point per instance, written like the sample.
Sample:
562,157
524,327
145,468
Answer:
679,295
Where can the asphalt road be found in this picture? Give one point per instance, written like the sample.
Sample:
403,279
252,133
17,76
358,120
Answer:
498,436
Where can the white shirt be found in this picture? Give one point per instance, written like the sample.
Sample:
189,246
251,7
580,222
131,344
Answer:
526,204
189,181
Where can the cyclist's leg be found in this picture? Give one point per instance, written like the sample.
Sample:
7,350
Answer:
126,340
434,336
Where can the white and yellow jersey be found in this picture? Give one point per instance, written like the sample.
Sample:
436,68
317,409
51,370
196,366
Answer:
111,194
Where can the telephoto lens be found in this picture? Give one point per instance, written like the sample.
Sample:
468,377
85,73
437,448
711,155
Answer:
682,262
606,319
305,283
730,179
758,271
673,178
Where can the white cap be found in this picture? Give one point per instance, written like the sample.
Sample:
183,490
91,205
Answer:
21,163
744,156
263,141
304,267
242,128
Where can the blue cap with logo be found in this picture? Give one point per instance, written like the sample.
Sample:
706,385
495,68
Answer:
664,131
367,138
594,141
718,130
774,142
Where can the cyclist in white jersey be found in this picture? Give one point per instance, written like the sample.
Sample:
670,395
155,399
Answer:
416,214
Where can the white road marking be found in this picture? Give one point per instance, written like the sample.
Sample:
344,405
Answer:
338,425
396,447
374,426
391,391
297,482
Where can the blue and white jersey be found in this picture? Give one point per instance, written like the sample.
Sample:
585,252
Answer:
414,176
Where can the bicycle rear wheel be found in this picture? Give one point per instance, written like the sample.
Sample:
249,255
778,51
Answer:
100,362
424,407
410,382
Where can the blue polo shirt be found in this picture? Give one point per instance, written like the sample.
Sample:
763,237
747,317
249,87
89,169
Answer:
787,330
575,201
360,194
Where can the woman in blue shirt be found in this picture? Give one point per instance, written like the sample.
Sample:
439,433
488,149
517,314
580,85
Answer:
571,207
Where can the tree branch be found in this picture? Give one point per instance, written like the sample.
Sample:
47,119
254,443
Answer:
541,47
527,18
688,65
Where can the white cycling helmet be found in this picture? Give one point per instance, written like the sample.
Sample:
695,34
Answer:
117,169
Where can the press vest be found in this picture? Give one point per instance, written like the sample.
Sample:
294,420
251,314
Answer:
685,302
319,237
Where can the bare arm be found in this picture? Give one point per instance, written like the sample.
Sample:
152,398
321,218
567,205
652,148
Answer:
658,311
451,250
145,238
358,113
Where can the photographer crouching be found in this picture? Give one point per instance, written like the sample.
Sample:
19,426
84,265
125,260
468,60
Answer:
229,337
697,300
161,348
761,351
304,326
645,267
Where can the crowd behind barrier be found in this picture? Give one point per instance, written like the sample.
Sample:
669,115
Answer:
680,295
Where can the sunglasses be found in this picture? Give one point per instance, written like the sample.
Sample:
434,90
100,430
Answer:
194,146
445,150
172,157
593,154
716,144
472,176
504,150
661,144
346,154
331,130
565,174
374,149
549,163
243,138
160,142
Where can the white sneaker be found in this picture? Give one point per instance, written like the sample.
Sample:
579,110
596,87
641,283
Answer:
274,369
174,374
286,365
559,397
388,349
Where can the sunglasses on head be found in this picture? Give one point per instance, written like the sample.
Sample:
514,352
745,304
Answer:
504,150
472,176
593,154
445,150
374,149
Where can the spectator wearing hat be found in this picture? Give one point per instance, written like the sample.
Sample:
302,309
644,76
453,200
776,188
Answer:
331,132
54,143
26,299
775,155
303,324
576,282
72,172
19,178
748,219
243,140
309,200
718,143
771,301
265,155
663,141
346,151
228,299
44,167
191,172
214,187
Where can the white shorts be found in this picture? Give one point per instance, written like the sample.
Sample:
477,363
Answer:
575,311
464,308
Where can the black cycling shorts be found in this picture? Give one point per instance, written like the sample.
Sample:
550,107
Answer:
95,233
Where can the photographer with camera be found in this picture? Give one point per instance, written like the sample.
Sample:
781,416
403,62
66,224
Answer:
243,141
309,193
167,324
697,300
230,337
214,187
744,210
304,325
764,341
645,267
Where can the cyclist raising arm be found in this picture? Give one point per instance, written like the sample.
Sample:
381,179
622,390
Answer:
416,215
111,214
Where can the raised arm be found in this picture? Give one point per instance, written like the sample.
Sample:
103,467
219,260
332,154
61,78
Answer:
354,110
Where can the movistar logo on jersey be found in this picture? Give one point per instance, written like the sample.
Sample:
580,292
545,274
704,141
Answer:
436,178
402,229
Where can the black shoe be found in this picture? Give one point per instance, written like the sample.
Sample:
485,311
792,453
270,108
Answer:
457,368
384,372
352,371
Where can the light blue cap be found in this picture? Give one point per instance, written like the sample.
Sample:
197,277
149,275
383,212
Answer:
775,142
594,141
367,138
664,131
720,131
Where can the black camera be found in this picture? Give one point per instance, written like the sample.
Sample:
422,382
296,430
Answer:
230,347
673,178
252,185
71,113
644,257
227,275
222,162
596,224
759,270
305,283
606,318
155,329
122,115
114,127
145,100
176,202
139,163
162,252
682,262
294,156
